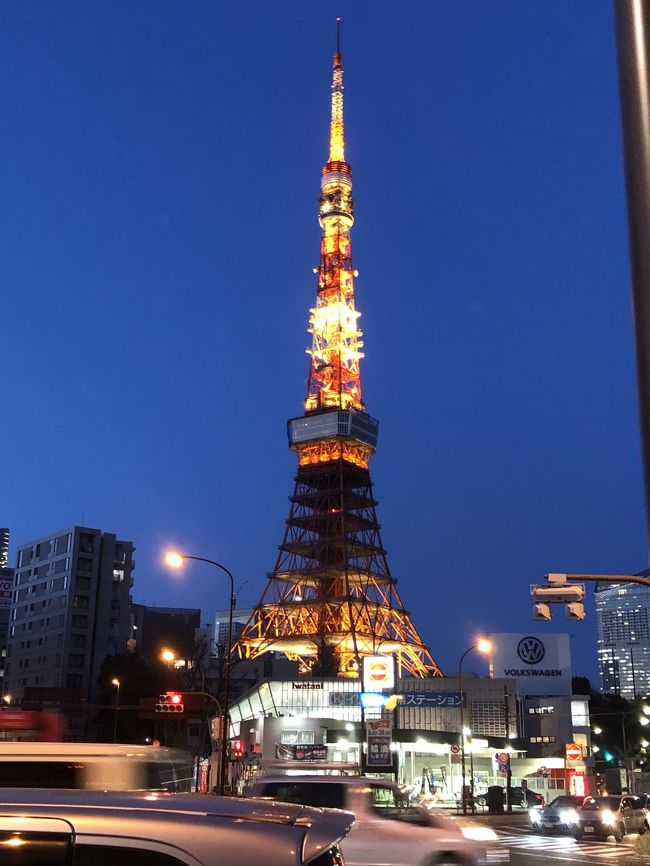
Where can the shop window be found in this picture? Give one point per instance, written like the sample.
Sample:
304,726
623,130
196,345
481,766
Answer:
297,738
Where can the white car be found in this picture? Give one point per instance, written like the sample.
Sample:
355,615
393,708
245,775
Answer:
89,828
387,828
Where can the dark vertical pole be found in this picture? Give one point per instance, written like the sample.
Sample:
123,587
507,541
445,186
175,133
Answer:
506,706
633,41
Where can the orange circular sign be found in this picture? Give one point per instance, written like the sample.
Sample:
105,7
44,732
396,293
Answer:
573,751
378,672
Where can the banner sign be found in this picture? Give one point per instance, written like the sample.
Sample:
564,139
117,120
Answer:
432,699
6,587
540,663
300,753
379,734
345,699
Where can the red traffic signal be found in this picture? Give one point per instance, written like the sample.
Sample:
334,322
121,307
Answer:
236,749
170,702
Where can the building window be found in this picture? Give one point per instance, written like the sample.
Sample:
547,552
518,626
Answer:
580,714
79,621
118,575
297,738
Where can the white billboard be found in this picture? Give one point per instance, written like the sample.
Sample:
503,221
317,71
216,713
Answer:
541,664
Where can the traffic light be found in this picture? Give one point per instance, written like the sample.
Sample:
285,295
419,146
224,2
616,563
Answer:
608,756
236,749
170,702
558,591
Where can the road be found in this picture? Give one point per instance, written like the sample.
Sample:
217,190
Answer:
519,847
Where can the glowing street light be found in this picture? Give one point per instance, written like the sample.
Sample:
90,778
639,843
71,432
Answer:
176,559
482,645
598,731
168,656
115,682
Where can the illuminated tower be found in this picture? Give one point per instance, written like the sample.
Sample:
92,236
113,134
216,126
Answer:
331,598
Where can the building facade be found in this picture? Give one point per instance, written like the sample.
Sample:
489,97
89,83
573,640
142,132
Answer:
6,590
69,610
623,638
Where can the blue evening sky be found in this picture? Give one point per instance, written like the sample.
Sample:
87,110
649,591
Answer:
159,174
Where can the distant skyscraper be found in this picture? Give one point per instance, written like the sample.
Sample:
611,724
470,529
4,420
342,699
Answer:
221,619
164,628
4,547
6,589
70,610
623,638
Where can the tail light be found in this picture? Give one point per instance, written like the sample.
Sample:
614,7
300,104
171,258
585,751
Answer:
331,857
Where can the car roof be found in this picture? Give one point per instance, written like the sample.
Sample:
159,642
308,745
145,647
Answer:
338,780
91,750
200,805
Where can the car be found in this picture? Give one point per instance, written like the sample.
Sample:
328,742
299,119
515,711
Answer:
92,828
387,829
611,815
523,798
98,766
558,815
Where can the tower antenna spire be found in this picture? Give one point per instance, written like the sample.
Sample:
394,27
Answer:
338,35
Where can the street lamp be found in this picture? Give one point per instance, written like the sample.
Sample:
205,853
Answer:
174,559
482,645
168,656
116,683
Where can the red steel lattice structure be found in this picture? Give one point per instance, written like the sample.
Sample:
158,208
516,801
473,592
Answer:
331,594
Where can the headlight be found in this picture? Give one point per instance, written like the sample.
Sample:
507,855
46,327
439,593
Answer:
479,834
534,815
569,816
607,817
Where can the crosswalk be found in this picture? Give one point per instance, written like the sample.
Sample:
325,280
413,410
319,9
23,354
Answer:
561,847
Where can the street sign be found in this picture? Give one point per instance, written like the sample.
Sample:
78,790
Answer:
454,754
503,762
573,752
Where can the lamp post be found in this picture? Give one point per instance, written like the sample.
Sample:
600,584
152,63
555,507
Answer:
482,645
116,683
175,560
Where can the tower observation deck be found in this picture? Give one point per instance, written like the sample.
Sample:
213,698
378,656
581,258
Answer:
331,598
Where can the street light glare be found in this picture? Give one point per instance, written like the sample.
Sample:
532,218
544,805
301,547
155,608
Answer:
483,645
598,731
644,720
173,559
168,655
115,681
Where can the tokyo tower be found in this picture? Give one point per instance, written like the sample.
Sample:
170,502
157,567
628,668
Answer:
331,599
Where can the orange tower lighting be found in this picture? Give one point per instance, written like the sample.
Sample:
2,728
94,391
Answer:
331,599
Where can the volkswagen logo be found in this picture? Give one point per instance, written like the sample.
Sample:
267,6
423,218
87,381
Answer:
530,650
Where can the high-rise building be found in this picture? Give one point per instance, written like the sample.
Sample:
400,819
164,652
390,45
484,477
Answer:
70,609
240,617
623,638
4,547
156,629
6,589
331,598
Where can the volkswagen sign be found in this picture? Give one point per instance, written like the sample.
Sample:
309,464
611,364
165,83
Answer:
530,650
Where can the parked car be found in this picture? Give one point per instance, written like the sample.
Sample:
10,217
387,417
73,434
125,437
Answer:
522,798
559,815
93,828
388,829
611,815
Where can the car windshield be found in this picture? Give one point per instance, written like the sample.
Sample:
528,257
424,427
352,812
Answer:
565,802
597,803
